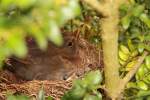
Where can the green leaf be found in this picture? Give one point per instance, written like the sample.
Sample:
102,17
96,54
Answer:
147,37
70,11
76,93
91,97
131,85
143,93
141,47
130,65
124,7
137,10
142,85
145,19
24,3
93,78
85,86
147,62
17,44
49,98
131,45
54,33
74,6
67,13
21,3
125,21
6,3
124,49
146,79
123,56
134,53
147,47
141,71
18,97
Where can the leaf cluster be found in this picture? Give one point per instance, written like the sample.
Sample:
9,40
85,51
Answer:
134,40
40,19
85,89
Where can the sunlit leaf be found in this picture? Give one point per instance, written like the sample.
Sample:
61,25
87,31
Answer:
142,85
131,85
54,33
93,78
145,19
74,6
76,93
17,45
141,71
49,98
24,3
91,97
82,87
147,61
125,21
138,10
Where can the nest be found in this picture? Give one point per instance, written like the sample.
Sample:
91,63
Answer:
11,84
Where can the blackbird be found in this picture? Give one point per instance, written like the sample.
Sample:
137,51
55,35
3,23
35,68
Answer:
56,63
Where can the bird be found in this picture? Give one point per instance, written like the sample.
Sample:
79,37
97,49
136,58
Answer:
56,63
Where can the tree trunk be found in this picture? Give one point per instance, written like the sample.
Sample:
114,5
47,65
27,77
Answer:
110,50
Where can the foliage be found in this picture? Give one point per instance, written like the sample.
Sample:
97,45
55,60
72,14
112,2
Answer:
136,26
41,96
85,89
18,97
43,19
134,40
127,58
40,19
88,24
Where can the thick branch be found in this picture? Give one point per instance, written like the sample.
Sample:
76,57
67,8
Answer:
109,26
110,52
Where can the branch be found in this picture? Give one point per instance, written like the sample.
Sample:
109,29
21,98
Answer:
130,74
100,7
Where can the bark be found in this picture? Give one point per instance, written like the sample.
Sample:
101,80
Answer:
110,50
113,83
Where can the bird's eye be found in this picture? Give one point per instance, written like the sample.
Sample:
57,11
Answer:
70,44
